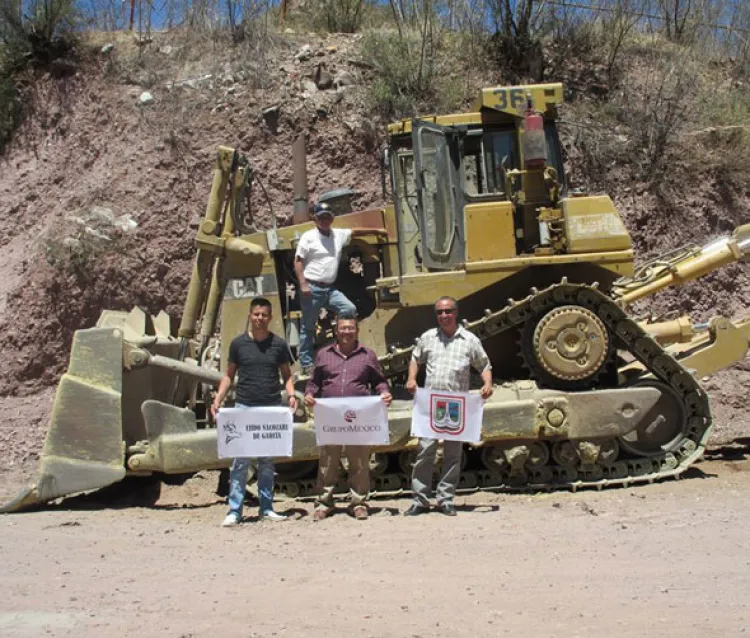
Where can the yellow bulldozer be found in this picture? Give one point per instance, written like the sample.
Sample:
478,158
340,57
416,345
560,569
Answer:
586,395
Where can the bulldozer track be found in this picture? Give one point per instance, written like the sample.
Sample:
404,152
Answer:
625,470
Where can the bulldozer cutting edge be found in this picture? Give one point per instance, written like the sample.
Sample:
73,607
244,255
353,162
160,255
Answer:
586,395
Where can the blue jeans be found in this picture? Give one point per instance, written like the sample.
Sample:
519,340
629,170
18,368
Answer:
238,482
329,298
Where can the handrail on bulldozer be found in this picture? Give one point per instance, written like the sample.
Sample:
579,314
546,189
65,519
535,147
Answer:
682,266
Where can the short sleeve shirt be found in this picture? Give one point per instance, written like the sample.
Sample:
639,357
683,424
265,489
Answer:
258,362
449,359
321,253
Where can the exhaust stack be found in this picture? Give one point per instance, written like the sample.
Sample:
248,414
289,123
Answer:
299,166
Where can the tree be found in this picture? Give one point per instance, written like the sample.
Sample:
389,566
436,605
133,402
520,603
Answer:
517,26
37,33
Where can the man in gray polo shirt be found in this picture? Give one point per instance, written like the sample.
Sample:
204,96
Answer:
449,351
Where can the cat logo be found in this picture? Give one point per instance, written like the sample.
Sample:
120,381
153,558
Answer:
447,414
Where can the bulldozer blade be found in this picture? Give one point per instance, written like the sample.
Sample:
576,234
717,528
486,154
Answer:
84,447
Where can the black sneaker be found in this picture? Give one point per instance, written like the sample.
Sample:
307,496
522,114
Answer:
447,508
416,509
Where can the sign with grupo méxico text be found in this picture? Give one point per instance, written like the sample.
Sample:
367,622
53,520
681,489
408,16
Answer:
351,421
254,432
451,416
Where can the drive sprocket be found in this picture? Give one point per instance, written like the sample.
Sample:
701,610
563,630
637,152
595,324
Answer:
569,346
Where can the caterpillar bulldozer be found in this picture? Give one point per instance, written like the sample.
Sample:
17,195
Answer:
586,394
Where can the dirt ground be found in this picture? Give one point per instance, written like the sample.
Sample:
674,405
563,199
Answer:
669,559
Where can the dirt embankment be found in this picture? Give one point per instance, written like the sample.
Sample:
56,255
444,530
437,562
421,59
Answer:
93,145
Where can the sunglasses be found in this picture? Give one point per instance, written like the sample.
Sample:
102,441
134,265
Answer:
444,311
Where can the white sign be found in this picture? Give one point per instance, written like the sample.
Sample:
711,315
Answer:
254,432
451,416
351,421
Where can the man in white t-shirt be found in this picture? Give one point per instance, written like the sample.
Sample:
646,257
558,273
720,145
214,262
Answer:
316,264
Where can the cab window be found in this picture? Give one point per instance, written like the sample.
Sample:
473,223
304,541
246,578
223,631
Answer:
500,152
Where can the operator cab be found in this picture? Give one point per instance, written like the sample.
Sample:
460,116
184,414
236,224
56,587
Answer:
441,165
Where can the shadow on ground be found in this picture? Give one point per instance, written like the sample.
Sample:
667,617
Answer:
147,491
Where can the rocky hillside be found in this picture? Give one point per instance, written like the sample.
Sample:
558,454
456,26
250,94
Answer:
103,188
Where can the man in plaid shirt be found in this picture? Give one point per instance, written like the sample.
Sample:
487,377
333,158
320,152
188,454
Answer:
449,351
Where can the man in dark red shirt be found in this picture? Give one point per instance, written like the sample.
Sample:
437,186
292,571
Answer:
345,369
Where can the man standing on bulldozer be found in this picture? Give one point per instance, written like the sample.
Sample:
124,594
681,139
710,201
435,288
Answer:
259,356
316,264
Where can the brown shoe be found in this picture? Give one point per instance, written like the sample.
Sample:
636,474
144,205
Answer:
320,513
360,512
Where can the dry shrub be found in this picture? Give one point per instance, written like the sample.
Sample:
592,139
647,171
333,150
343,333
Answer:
335,16
573,56
340,16
723,153
656,105
409,77
597,145
75,245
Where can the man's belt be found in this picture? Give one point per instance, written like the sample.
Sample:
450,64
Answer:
319,284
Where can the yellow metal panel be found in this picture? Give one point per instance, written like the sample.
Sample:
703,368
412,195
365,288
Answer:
371,329
404,126
390,261
512,99
389,220
390,252
592,224
422,289
489,231
620,262
240,292
505,100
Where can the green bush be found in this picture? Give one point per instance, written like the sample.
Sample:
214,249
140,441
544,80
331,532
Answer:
11,113
727,107
577,38
408,78
333,16
33,35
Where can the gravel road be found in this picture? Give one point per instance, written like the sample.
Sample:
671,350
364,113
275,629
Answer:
670,559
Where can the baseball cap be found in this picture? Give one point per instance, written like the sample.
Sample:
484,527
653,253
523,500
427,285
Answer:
322,209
